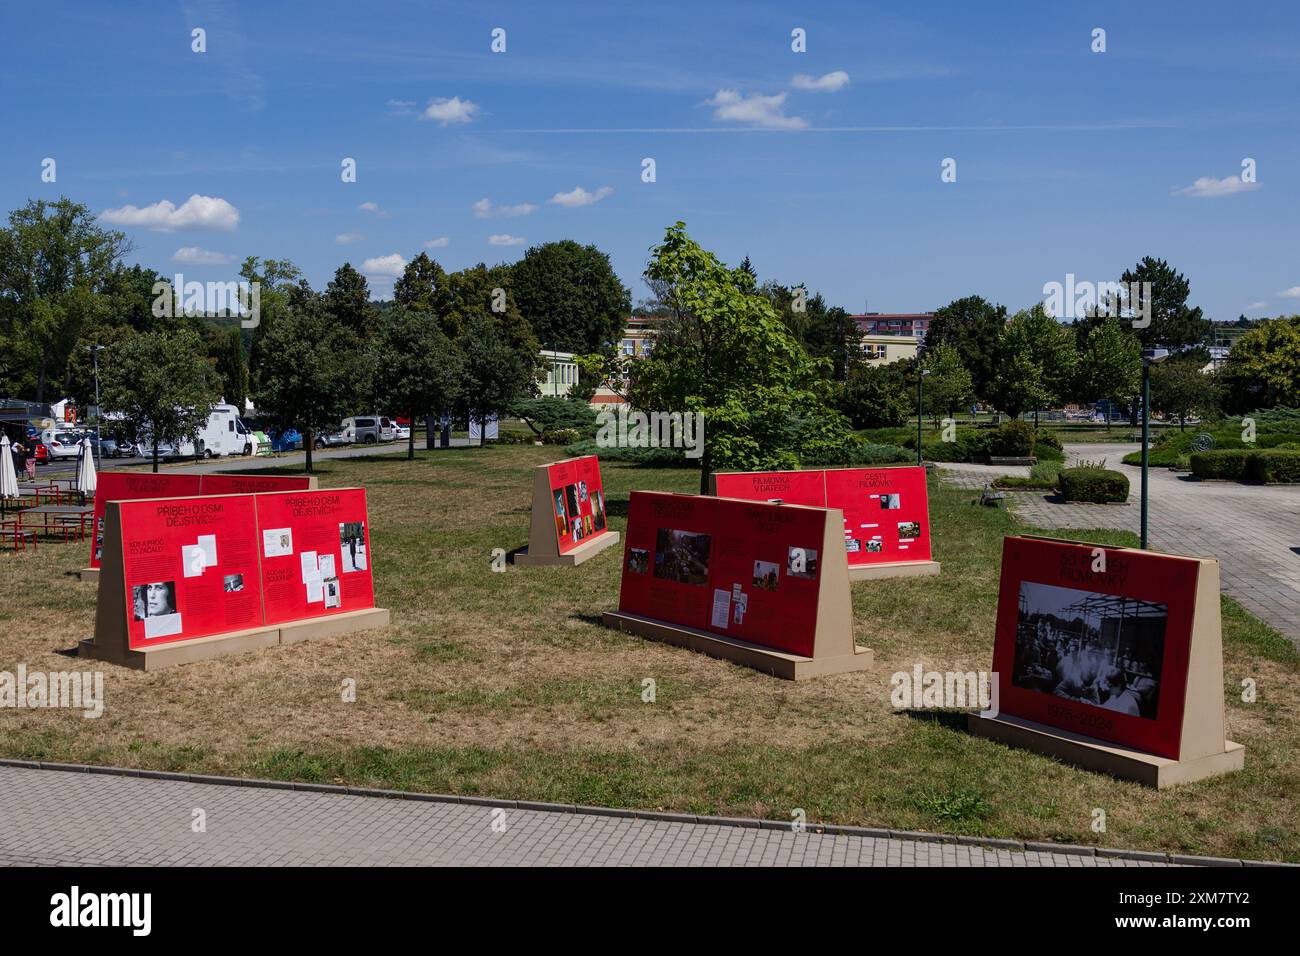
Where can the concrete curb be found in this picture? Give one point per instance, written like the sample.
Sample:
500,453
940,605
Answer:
829,829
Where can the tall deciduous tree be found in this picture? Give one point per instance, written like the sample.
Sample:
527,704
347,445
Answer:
347,297
1110,365
948,385
418,370
1173,323
973,326
1263,368
724,354
55,260
422,285
824,331
1181,389
314,372
162,382
571,296
1038,363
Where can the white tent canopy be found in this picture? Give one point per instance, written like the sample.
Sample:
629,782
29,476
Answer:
8,478
86,478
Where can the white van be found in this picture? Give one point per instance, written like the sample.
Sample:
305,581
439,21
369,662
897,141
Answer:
223,434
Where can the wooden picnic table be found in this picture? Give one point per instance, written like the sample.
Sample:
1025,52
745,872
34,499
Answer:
68,519
12,529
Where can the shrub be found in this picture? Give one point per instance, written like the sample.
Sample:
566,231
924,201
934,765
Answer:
1015,439
1048,452
1099,485
1050,439
650,457
553,413
857,456
1276,466
514,438
1229,464
1047,471
560,436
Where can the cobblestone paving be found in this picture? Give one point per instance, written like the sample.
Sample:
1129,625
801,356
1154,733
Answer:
50,817
1254,530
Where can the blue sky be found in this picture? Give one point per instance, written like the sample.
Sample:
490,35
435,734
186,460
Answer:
1068,161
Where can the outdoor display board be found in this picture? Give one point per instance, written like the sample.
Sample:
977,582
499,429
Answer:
250,569
130,485
759,574
886,510
189,568
315,549
1115,645
569,523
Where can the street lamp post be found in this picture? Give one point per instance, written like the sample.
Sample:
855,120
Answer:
94,351
920,377
1149,358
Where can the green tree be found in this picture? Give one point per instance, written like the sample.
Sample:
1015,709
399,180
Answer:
724,354
973,327
278,282
879,396
948,384
1038,363
1263,368
1181,389
550,412
347,298
1110,365
570,296
162,382
313,373
494,374
232,369
419,369
824,331
422,285
55,261
1173,324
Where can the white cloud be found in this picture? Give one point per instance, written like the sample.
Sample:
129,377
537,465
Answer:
504,239
343,238
485,209
390,266
1207,187
580,197
195,256
197,212
438,243
755,109
448,111
1261,305
827,83
1291,293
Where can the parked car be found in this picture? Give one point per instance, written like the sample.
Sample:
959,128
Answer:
105,447
362,429
387,429
61,443
333,439
42,454
401,432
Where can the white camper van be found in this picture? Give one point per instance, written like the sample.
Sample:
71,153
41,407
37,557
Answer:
224,434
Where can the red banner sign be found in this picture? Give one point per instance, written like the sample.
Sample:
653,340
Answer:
1096,640
315,548
747,570
577,501
130,485
886,510
190,568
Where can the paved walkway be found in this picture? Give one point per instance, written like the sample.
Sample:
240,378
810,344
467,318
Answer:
1254,530
72,818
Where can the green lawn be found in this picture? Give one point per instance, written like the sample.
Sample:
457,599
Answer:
505,684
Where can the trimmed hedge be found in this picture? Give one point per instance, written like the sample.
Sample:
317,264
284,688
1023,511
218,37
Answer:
1098,485
1268,466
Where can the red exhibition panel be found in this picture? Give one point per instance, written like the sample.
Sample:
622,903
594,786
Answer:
190,568
791,487
315,548
1097,644
577,501
252,484
127,486
886,513
747,570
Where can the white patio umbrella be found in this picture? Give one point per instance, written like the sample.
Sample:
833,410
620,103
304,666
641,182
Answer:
86,470
8,478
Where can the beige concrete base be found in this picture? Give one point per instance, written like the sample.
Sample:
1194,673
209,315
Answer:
583,552
236,642
89,574
892,569
333,624
776,663
184,652
1091,754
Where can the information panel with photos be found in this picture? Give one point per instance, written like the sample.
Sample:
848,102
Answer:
748,570
189,567
577,501
1097,640
315,553
886,510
